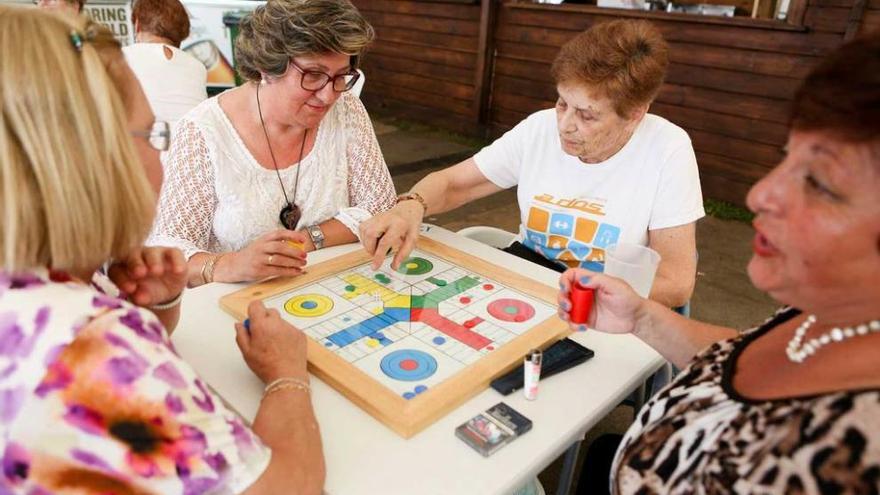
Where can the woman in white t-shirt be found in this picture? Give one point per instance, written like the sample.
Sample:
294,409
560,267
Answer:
596,171
173,80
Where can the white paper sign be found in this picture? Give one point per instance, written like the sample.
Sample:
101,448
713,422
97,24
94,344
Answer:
116,16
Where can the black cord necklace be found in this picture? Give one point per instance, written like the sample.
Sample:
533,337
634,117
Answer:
291,213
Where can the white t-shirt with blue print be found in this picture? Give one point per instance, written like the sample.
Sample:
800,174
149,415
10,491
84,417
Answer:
572,211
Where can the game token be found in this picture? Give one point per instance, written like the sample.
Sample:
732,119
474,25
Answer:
581,303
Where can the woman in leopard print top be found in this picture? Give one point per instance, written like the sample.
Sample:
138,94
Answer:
794,405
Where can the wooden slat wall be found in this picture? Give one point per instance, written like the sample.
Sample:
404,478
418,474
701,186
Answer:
728,86
423,63
871,19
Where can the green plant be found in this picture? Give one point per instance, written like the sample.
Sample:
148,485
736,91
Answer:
727,211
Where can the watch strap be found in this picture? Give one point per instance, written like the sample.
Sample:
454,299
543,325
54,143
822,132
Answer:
316,235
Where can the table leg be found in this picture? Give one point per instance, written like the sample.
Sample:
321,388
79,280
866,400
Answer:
568,464
640,398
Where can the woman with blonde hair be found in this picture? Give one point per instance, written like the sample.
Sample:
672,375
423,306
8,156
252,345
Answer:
94,398
595,171
285,164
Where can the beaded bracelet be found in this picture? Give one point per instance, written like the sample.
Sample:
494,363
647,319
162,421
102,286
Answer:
168,304
285,383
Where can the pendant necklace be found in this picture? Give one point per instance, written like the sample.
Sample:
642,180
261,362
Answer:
291,212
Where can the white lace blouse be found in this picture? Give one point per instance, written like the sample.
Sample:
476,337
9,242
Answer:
216,197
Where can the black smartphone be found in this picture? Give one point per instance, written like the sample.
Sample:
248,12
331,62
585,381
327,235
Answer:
558,357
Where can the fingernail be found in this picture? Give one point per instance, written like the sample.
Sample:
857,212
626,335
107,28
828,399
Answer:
582,328
561,285
247,325
585,280
565,305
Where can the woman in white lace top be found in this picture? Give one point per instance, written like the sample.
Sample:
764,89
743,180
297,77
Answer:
286,163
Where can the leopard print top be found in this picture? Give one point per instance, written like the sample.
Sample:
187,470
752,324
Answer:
698,435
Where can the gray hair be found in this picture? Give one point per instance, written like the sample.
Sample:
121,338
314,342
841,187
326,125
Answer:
282,29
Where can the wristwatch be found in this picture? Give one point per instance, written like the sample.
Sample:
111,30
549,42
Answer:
414,196
317,235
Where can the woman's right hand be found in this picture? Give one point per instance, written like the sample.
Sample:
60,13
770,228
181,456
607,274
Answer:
616,306
276,253
272,348
396,229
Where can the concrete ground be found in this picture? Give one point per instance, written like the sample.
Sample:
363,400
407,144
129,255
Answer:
723,293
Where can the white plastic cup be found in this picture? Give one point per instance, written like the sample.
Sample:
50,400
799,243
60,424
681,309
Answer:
634,264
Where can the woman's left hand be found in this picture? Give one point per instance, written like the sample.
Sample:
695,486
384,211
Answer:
150,275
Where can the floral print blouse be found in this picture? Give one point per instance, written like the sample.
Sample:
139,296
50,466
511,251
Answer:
94,399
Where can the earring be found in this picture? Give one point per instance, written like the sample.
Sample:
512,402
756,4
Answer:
263,82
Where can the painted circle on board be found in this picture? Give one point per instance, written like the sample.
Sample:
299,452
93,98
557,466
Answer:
308,305
408,365
512,310
415,266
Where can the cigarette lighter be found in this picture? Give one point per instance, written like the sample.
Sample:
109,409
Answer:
531,373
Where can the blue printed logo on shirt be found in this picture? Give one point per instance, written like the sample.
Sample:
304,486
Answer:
561,224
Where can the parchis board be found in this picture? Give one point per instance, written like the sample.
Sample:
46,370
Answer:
409,345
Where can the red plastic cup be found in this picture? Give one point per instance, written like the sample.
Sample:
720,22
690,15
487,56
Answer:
581,303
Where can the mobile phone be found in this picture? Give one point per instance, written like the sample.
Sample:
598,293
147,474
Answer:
560,356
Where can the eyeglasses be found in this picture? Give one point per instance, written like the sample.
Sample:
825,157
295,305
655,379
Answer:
313,80
159,136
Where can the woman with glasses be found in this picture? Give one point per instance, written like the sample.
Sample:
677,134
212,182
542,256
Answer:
284,164
93,397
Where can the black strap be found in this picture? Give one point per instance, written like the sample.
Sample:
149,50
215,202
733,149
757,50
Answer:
519,250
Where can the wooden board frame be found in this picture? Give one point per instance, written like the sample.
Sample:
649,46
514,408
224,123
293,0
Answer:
408,417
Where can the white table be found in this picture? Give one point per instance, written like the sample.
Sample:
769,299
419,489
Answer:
365,457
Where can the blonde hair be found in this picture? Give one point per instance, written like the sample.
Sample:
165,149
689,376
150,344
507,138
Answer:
282,29
74,192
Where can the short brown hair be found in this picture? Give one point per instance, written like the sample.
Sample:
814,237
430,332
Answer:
165,18
282,29
842,94
624,60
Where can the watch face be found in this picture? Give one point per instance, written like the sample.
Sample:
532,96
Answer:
316,233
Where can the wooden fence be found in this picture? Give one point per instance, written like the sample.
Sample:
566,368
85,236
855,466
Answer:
480,67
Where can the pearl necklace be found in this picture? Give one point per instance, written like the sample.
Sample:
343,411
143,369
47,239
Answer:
798,350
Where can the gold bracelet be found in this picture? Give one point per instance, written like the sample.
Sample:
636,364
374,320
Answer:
285,383
208,273
204,267
284,386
